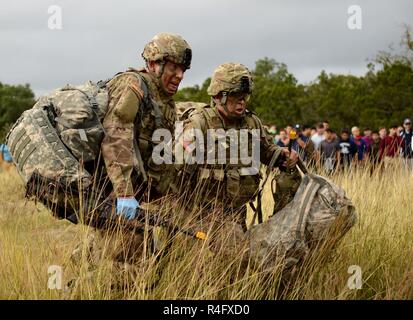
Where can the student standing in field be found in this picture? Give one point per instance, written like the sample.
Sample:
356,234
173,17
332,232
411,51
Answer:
367,137
305,145
318,137
348,149
360,143
284,140
375,147
407,136
329,152
383,133
374,153
391,146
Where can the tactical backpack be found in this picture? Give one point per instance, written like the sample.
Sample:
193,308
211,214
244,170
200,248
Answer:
320,213
62,132
184,108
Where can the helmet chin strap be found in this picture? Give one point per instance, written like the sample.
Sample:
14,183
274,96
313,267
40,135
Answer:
223,102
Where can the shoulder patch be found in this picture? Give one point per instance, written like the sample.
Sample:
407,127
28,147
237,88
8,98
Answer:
136,89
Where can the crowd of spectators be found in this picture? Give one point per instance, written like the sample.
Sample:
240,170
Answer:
331,150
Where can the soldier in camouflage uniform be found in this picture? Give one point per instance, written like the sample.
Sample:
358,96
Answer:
226,189
129,126
140,101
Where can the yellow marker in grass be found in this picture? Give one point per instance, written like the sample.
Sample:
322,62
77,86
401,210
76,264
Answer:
201,235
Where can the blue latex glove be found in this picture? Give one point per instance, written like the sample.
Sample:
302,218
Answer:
127,207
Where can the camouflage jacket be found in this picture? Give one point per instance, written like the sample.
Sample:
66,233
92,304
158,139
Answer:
229,183
125,102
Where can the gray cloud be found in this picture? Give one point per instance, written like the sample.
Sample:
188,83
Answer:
100,38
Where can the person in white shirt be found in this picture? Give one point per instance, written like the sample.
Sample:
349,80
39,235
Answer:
319,136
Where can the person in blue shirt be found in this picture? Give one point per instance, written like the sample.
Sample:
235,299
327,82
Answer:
360,143
407,136
5,158
348,149
305,145
5,153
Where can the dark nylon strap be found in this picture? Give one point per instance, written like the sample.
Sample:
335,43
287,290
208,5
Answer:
309,194
158,113
258,210
149,101
146,103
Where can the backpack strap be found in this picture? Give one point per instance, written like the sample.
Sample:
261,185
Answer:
258,210
148,101
307,198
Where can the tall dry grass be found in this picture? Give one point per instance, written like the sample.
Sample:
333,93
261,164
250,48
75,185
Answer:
381,243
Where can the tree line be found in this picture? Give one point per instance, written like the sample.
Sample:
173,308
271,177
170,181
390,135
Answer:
381,97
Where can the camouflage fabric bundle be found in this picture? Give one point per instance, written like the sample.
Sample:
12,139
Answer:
320,212
79,110
286,185
60,131
182,108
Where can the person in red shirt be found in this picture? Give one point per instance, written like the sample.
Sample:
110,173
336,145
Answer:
390,146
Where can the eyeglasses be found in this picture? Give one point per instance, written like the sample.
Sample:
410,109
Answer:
407,123
240,96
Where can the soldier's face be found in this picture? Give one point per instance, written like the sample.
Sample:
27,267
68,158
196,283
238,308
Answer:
237,103
171,77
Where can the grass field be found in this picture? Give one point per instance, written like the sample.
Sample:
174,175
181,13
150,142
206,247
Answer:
381,244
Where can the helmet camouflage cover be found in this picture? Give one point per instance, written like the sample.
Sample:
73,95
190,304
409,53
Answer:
230,77
170,47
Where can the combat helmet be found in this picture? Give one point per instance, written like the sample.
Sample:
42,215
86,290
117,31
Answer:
168,47
230,77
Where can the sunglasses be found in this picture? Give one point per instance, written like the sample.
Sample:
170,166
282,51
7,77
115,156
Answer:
240,96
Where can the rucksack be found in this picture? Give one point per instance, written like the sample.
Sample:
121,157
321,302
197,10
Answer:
183,108
62,131
320,212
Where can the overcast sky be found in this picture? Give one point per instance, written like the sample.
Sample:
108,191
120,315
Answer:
100,38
